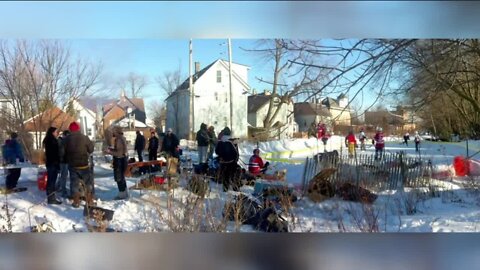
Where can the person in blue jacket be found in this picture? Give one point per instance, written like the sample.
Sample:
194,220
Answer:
12,150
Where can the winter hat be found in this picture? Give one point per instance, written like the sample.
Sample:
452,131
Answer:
227,131
74,126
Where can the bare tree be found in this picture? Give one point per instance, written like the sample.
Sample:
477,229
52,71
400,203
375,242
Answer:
36,76
168,82
158,113
288,80
133,83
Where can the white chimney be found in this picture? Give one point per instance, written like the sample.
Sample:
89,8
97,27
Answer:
197,67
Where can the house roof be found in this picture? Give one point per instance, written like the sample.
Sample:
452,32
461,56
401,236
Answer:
329,102
257,101
123,122
89,103
185,85
123,103
196,76
52,117
307,108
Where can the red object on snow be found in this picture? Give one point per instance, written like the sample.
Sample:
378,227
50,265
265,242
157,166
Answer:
461,166
42,180
159,179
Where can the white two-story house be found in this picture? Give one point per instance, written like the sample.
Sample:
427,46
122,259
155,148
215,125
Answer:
211,87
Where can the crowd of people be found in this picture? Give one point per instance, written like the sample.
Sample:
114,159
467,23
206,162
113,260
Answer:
68,153
321,132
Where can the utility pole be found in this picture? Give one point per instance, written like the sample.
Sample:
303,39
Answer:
192,93
230,81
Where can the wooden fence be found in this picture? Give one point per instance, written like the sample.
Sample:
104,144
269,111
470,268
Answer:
392,171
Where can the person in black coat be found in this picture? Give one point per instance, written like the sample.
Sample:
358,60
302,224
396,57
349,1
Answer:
170,143
139,145
152,146
52,162
228,156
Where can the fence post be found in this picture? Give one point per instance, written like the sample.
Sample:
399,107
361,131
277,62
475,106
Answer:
304,180
402,172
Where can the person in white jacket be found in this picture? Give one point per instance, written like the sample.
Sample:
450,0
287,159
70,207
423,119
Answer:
417,141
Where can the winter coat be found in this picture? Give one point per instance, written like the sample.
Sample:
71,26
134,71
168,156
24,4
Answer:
52,153
212,137
78,148
12,150
255,164
202,136
139,142
153,144
170,143
351,139
362,136
417,138
226,150
61,149
119,147
379,141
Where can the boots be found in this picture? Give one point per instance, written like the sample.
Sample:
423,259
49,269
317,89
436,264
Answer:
53,200
122,195
76,200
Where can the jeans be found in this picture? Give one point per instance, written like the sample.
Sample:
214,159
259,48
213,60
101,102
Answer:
52,174
202,154
378,153
12,178
211,149
81,175
62,181
119,166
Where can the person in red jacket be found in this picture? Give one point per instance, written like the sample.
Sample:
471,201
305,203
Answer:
351,142
379,143
256,165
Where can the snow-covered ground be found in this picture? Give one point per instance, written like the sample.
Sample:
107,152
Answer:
454,208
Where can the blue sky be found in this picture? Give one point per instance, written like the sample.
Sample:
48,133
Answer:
153,57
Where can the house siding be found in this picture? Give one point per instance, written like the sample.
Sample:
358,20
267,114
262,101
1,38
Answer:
256,119
212,102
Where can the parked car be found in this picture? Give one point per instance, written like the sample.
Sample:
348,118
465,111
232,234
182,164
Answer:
429,137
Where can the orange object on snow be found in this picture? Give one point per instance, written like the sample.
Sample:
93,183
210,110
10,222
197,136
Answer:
42,180
461,166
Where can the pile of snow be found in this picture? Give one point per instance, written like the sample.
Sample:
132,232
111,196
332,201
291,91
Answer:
450,207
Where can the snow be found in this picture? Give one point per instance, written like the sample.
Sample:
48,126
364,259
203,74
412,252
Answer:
453,208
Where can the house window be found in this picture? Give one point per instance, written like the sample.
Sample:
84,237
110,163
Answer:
225,121
219,76
226,97
216,96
